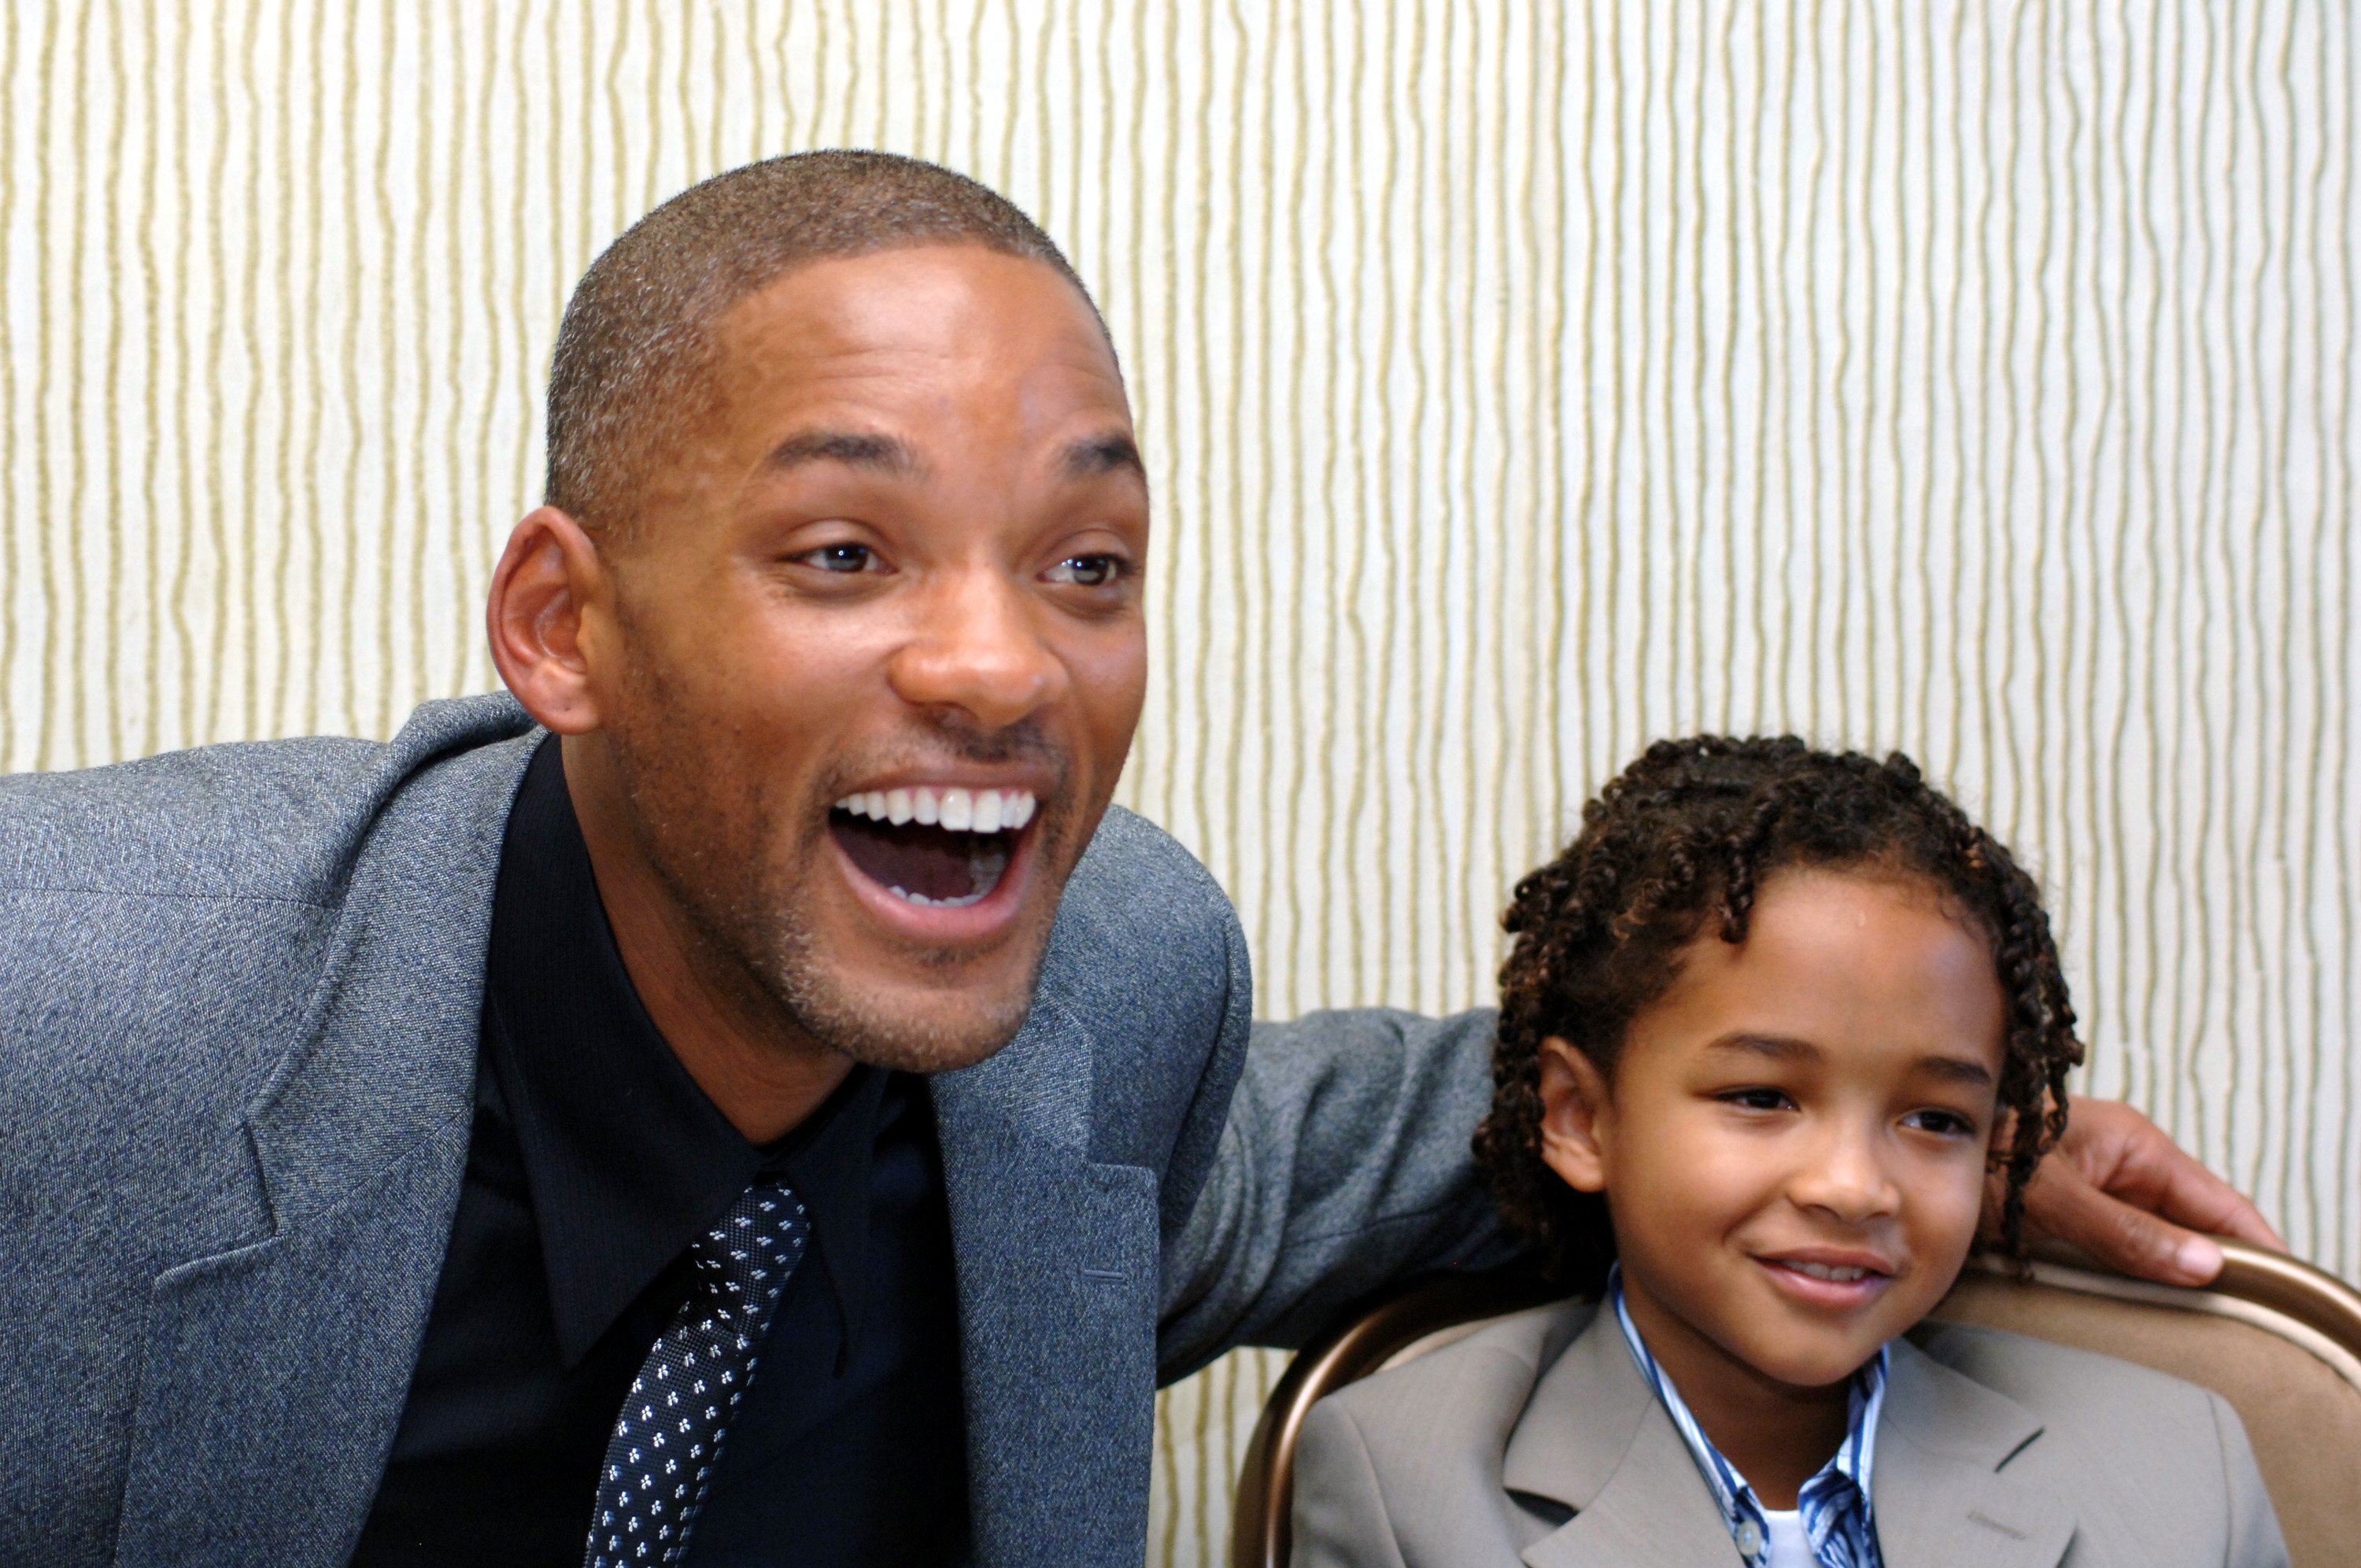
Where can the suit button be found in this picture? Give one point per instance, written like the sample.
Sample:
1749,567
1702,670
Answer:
1750,1539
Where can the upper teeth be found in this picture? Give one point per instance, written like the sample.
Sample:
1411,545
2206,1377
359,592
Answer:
961,810
1826,1271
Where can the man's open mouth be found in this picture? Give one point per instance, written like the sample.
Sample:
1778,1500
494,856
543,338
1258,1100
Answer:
944,847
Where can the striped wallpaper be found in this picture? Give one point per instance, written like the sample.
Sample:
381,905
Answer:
1520,381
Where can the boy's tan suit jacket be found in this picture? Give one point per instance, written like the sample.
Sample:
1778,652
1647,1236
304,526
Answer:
1534,1441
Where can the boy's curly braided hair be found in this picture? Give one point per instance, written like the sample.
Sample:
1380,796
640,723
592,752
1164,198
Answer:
1690,831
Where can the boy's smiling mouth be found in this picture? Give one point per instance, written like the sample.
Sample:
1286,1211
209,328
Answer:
1830,1278
1823,1271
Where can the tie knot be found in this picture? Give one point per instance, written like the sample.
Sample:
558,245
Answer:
746,1258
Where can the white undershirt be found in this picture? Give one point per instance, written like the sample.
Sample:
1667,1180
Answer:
1790,1546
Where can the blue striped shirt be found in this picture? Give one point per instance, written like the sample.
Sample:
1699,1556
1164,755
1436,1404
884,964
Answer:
1834,1504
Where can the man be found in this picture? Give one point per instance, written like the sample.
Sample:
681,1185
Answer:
750,1091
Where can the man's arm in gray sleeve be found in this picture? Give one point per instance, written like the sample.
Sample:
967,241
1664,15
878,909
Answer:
1344,1164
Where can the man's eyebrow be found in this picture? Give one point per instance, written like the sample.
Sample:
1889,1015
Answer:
885,454
1096,454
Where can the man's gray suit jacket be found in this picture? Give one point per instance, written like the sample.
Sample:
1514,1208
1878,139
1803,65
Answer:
239,1001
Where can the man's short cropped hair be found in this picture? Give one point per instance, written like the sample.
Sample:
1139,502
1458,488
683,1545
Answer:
629,377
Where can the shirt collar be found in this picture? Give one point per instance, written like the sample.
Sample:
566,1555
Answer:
627,1160
1835,1502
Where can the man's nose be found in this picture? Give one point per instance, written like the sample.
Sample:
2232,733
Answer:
976,649
1847,1176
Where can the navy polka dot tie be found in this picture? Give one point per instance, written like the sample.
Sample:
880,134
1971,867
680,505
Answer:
669,1438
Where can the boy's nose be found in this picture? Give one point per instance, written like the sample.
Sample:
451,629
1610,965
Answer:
1847,1179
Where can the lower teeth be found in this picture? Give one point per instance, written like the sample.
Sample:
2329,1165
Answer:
985,869
960,902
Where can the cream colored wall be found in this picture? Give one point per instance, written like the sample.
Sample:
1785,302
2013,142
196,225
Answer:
1521,382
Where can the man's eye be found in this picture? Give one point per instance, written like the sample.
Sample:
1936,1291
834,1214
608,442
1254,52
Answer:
841,558
1757,1098
1088,571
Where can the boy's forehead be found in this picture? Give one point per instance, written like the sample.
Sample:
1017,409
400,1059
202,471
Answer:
1835,967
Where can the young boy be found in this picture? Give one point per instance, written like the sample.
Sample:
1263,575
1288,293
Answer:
1783,1013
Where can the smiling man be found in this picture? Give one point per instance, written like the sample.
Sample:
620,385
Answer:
749,1098
848,663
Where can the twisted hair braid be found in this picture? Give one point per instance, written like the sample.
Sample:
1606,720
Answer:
1691,830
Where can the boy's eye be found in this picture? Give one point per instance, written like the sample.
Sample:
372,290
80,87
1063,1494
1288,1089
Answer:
1087,571
841,559
1757,1098
1943,1124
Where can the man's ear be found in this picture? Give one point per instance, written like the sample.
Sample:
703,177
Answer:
1575,1116
540,614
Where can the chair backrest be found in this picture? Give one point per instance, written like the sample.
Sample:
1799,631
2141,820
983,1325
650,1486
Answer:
2279,1340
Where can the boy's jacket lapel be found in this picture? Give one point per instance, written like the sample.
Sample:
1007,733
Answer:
1595,1440
284,1357
1058,1261
1941,1498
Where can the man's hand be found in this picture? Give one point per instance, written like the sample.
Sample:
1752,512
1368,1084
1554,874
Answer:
2121,1191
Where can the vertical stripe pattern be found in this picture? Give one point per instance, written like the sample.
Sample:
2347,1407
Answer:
1520,382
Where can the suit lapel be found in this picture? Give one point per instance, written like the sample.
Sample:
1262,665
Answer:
1593,1439
275,1372
1940,1496
1056,1256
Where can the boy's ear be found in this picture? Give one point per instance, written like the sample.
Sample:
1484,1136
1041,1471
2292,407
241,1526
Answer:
1574,1105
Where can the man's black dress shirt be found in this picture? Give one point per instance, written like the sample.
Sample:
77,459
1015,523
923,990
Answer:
596,1161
